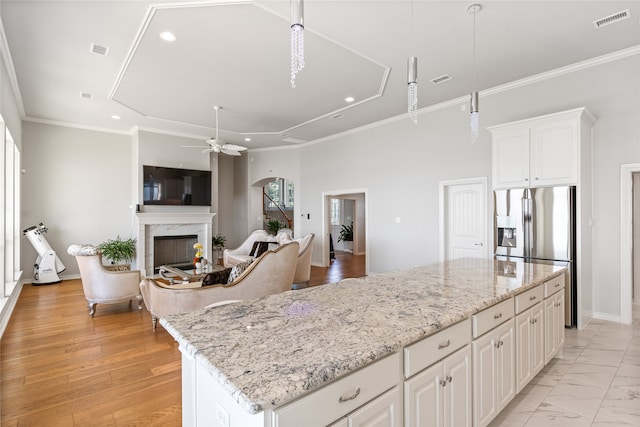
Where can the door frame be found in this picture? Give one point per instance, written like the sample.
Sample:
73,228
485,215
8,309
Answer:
626,239
442,224
326,219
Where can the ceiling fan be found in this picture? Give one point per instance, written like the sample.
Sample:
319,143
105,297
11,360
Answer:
218,145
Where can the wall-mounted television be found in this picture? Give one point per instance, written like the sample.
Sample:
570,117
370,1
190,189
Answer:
172,186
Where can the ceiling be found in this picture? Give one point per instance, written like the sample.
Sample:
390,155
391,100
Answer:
236,54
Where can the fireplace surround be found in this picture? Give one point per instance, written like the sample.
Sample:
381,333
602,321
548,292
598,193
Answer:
150,225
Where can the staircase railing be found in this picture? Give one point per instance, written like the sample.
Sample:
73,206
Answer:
272,210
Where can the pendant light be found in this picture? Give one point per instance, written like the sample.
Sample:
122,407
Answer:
297,39
412,80
475,125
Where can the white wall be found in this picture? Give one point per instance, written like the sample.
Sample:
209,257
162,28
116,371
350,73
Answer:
400,164
77,182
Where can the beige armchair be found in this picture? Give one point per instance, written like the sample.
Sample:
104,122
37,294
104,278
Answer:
271,273
303,266
100,285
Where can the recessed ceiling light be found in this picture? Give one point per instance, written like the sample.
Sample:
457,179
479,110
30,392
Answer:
115,117
167,36
349,99
247,139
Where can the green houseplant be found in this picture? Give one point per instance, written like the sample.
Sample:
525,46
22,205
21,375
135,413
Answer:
273,226
118,251
219,242
346,233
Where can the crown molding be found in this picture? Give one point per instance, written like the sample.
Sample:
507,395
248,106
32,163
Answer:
77,126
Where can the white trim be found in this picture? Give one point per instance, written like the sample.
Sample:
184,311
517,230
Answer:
11,71
9,305
482,180
606,316
626,240
326,216
77,126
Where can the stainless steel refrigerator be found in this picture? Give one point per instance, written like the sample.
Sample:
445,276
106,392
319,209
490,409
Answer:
538,225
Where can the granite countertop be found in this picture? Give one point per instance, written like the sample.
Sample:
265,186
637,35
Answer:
269,351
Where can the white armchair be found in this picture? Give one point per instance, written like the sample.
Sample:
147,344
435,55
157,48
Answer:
231,257
102,286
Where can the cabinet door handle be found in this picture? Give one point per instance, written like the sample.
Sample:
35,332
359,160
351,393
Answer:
532,298
348,398
478,244
498,344
526,179
449,378
557,285
443,383
537,178
444,344
497,316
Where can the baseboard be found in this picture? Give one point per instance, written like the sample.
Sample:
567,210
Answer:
606,316
7,309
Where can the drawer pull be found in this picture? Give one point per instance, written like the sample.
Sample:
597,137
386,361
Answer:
444,344
532,298
497,316
557,285
353,396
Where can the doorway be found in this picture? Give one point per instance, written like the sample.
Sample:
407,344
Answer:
463,219
629,245
345,208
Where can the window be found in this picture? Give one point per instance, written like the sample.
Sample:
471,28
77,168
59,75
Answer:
281,192
335,211
10,212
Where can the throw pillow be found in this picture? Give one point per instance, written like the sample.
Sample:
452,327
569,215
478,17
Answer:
262,248
238,269
216,277
254,248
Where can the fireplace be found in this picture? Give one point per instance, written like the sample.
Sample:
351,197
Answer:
175,251
174,225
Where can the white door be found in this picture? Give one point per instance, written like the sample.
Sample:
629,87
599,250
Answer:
423,396
465,225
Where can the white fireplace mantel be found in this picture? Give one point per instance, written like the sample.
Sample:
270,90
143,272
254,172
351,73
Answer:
163,223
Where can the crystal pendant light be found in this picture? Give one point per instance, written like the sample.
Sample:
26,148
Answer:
297,39
475,119
412,80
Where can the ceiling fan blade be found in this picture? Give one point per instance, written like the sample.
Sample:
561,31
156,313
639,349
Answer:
207,150
193,146
234,147
229,152
215,141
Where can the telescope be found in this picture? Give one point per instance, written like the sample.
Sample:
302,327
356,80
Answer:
47,265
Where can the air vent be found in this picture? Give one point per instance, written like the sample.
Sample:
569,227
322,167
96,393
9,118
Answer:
337,116
612,19
86,95
99,49
441,79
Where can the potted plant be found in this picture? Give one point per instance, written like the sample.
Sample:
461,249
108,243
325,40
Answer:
219,243
273,226
346,236
119,252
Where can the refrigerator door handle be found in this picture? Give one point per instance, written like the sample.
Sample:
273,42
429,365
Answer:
526,226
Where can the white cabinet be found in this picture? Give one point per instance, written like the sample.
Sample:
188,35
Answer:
529,344
554,324
384,411
539,152
344,396
493,372
441,395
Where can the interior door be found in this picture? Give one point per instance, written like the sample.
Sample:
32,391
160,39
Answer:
466,224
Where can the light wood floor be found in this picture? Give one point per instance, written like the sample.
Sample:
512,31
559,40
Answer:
59,367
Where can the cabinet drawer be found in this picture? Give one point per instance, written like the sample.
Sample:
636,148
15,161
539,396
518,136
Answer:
529,299
491,317
342,396
426,352
553,285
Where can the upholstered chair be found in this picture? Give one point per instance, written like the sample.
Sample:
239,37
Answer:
303,265
271,273
231,257
100,285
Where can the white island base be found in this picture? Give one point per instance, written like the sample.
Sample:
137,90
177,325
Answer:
462,370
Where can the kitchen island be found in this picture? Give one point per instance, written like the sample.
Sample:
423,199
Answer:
245,361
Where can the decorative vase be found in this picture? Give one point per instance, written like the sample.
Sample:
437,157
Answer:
198,267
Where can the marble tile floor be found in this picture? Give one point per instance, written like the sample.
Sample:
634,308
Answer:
595,383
